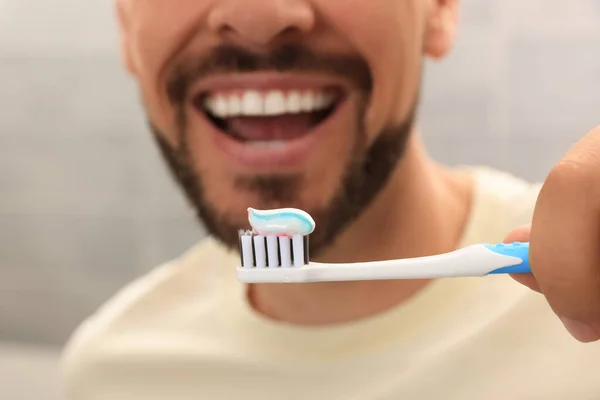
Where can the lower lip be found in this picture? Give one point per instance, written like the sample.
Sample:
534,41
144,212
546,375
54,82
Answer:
290,154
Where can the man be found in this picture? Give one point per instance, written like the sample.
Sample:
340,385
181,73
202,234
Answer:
311,104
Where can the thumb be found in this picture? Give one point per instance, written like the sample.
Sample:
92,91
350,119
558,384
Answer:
521,234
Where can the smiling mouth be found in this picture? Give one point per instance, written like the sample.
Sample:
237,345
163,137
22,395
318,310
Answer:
268,118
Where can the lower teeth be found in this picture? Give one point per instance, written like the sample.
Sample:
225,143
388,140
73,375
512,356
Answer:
266,144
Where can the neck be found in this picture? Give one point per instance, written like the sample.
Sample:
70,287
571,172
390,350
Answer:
422,211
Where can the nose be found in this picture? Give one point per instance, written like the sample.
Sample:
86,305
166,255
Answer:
260,23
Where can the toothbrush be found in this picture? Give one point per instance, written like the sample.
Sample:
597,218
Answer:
276,251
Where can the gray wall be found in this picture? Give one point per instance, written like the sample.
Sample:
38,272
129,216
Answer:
86,205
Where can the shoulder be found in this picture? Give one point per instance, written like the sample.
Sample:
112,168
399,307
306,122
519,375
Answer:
142,309
503,187
501,202
197,269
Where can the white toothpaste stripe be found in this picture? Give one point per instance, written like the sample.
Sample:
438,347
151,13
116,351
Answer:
282,226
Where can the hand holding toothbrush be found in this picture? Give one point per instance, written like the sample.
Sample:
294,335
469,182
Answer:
565,240
563,263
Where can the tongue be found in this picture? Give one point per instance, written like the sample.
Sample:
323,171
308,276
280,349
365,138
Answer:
284,127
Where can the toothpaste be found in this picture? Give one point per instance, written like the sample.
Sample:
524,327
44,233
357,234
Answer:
281,222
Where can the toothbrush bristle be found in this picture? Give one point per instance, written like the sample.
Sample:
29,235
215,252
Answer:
258,251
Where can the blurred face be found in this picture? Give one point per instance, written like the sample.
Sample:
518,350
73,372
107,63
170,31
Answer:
282,103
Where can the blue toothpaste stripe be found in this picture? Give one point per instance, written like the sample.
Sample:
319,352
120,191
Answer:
284,215
281,217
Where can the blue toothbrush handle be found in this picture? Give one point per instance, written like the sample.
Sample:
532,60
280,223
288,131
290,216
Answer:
517,250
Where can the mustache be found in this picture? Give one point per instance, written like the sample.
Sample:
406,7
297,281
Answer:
285,58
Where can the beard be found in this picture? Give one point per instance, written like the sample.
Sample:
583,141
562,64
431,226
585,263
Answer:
366,172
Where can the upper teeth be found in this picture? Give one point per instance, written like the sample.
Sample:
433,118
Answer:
270,103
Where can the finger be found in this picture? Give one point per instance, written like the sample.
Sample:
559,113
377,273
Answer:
521,234
565,239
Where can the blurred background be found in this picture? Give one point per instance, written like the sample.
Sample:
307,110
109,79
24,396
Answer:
86,204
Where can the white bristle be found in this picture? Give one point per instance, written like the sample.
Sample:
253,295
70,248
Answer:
272,253
298,246
286,255
259,251
247,253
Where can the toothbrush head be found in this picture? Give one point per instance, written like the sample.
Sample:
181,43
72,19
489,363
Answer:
278,239
276,251
273,251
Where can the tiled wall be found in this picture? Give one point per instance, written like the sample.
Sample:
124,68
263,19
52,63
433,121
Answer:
86,205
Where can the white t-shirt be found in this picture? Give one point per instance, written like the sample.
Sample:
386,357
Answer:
186,332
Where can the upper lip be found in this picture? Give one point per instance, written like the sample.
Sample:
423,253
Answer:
267,81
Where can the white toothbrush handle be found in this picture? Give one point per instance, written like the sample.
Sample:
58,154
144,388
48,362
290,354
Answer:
475,260
471,261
